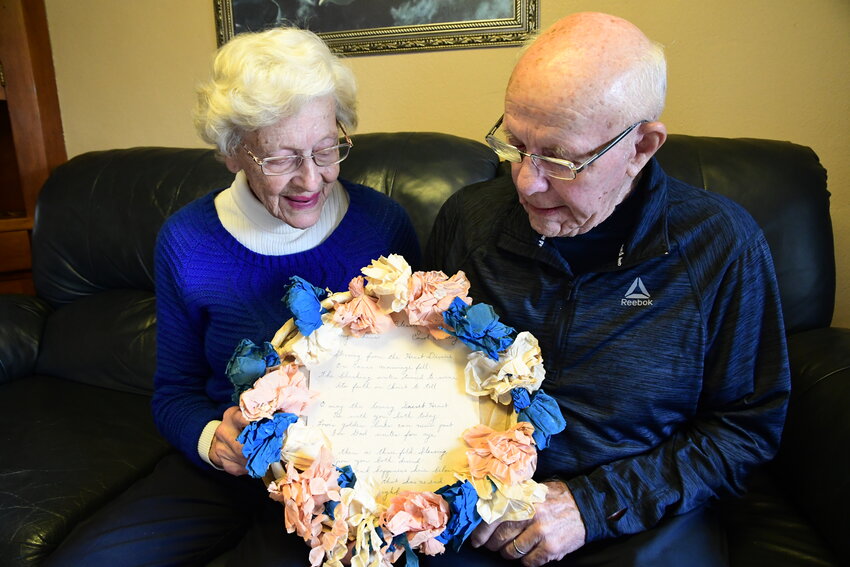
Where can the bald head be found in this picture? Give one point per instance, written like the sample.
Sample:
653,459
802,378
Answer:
588,80
592,67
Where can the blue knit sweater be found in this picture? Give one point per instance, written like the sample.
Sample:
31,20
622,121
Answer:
212,292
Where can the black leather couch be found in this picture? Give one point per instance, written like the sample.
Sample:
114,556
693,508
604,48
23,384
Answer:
76,362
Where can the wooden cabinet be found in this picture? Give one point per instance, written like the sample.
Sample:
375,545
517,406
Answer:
31,139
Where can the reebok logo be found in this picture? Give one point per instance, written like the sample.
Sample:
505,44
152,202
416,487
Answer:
636,295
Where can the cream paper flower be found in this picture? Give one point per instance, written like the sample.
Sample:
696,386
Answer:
320,346
388,277
519,366
507,502
367,543
363,513
362,497
303,444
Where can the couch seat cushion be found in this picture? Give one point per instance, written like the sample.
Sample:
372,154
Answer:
66,448
765,529
106,339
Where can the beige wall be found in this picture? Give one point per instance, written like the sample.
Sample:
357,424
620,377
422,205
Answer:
762,68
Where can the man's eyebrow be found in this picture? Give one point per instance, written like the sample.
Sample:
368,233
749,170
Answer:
561,152
558,150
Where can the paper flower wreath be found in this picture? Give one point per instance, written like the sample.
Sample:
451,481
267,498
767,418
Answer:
328,505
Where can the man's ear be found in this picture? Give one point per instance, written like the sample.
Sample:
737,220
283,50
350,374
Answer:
650,137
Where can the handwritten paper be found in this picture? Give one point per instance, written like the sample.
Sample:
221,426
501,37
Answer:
394,406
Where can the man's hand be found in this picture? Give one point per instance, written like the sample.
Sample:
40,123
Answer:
555,530
225,451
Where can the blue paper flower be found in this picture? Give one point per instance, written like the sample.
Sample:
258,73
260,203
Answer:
478,327
463,515
262,441
304,301
521,398
545,415
347,478
248,362
410,557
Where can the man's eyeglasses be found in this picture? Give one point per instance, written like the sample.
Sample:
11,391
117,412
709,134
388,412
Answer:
550,166
281,165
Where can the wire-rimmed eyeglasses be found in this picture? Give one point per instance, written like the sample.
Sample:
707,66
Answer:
556,168
326,157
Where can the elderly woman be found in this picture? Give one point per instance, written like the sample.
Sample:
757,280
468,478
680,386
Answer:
276,107
279,107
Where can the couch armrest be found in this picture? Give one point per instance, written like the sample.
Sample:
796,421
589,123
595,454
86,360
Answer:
22,319
814,458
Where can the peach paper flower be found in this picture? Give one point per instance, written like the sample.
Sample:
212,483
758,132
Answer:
388,282
422,516
284,389
431,293
508,456
304,495
361,315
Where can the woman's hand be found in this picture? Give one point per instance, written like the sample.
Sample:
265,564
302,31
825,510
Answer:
225,451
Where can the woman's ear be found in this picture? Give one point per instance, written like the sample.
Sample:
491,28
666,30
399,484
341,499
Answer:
650,137
232,164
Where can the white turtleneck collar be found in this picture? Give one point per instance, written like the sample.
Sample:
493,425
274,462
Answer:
255,228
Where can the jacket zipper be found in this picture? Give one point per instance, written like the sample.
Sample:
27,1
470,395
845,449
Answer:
565,322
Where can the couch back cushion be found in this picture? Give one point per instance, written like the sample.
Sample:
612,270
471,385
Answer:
98,216
419,169
783,185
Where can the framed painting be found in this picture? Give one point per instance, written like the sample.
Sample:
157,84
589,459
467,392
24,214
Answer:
360,27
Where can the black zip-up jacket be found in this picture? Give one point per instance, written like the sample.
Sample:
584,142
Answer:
668,359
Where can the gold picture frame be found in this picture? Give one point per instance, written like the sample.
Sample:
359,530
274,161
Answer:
509,22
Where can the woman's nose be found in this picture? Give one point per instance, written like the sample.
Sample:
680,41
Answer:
310,175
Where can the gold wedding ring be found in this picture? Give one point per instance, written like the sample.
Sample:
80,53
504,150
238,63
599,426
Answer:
518,550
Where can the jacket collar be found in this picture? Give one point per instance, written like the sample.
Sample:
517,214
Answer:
649,239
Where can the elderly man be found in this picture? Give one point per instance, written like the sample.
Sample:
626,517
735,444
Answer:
655,304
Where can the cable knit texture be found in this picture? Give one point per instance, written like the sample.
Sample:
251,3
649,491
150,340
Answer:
212,292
